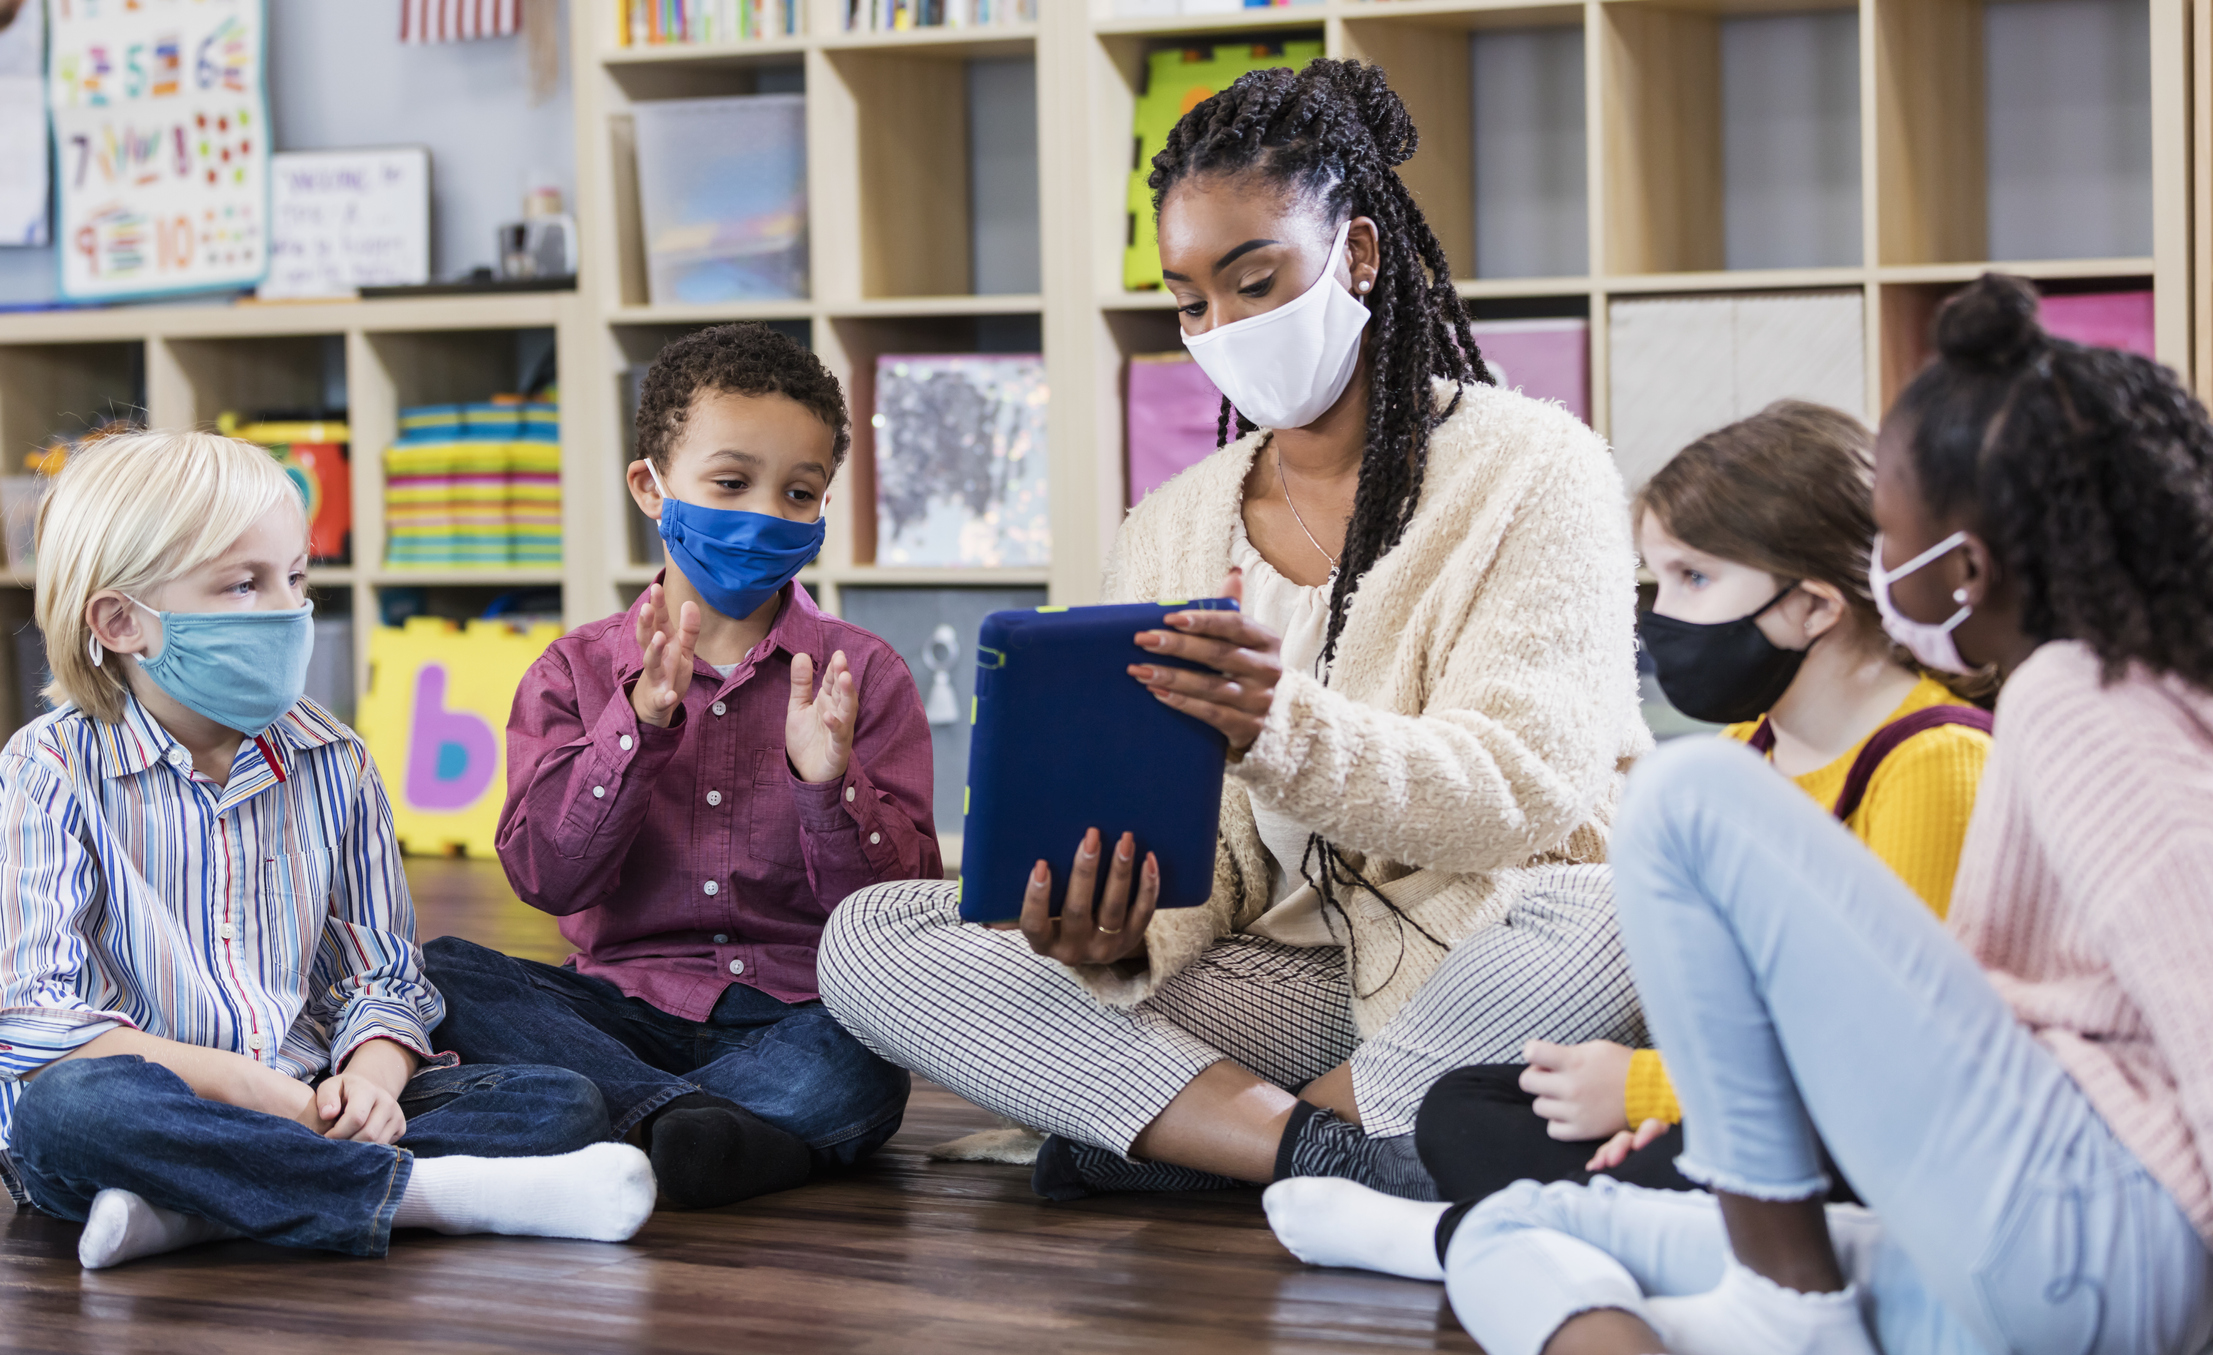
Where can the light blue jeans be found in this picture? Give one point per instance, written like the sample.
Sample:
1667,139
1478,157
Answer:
1799,988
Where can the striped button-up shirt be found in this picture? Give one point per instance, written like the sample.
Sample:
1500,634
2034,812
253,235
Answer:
268,916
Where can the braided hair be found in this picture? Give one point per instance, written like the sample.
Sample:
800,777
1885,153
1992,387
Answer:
2089,472
1332,133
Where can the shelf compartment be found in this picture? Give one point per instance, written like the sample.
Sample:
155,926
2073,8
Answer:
1907,312
192,381
62,390
1243,25
1732,136
940,199
1498,93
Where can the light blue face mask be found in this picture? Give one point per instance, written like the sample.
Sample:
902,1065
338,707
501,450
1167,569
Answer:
736,559
243,670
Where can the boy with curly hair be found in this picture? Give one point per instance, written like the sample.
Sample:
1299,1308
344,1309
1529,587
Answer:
691,802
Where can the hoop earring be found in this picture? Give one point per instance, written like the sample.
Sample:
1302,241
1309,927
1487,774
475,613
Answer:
93,650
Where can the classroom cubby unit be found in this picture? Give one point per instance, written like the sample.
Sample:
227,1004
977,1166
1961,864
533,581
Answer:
969,190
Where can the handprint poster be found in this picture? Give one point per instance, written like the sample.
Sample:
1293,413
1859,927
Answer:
161,145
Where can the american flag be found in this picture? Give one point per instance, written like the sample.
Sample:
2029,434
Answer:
457,20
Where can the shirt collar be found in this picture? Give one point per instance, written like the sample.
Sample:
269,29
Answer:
138,741
796,630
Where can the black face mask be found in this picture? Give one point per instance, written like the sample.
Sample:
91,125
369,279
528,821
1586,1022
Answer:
1723,673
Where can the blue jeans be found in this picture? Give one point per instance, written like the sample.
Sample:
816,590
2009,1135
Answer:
86,1125
1803,996
791,1064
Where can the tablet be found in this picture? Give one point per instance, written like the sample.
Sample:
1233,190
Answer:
1064,739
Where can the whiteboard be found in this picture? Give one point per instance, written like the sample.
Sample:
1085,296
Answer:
161,148
341,220
23,128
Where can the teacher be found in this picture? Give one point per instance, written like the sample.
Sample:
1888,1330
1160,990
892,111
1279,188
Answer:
1430,698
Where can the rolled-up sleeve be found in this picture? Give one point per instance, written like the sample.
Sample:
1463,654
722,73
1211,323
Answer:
369,982
47,882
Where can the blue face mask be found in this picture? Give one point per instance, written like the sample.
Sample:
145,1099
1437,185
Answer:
737,560
243,670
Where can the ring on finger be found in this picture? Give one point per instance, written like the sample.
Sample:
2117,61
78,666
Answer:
1106,931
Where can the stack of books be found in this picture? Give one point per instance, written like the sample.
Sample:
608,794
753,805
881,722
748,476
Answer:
474,486
646,23
887,16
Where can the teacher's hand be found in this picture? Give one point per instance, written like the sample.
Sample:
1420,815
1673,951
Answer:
1246,658
1106,932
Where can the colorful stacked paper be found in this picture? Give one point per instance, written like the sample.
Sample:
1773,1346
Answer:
474,486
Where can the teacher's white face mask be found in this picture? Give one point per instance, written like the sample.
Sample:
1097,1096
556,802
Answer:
1283,368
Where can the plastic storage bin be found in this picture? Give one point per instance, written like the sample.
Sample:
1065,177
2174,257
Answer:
722,189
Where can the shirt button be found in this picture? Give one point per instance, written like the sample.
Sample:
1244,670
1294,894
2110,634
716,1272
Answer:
718,708
874,838
624,742
712,887
255,1042
599,792
714,797
226,931
848,792
722,938
737,966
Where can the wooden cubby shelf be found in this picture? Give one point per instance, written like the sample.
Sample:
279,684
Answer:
1610,166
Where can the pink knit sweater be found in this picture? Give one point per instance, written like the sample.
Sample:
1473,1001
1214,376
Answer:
2086,891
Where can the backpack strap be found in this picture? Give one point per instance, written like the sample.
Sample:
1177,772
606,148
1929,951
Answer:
1885,741
1763,738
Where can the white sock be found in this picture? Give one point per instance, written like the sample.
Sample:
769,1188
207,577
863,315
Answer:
603,1193
122,1227
1329,1221
1749,1314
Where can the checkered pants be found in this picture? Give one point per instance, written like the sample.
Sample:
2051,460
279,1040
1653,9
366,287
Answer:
975,1010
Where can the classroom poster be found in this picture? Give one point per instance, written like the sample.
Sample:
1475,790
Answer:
161,145
23,184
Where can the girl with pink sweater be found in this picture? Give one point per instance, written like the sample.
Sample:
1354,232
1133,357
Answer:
2025,1104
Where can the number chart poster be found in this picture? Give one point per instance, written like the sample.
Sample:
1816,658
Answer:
161,145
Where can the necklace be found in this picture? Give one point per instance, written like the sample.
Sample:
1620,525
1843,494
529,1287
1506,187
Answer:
1285,485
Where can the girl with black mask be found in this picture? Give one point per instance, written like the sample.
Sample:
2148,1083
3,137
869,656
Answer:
1758,535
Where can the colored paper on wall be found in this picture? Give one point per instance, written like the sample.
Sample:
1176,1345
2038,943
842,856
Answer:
24,185
435,718
161,146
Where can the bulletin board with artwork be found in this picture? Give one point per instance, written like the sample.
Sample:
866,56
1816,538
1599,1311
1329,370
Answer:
161,145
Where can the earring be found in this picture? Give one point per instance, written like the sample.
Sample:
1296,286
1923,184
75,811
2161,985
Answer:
1959,595
1365,284
94,652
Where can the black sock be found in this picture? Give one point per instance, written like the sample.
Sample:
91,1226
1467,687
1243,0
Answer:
707,1152
1067,1170
1317,1143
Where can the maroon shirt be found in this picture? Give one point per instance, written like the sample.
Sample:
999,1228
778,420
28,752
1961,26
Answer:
685,859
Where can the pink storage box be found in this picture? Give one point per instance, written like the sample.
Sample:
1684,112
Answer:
2120,320
1174,412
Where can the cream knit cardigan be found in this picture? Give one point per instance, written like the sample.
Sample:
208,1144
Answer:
1481,712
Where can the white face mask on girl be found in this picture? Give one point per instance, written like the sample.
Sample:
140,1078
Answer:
1283,368
1930,644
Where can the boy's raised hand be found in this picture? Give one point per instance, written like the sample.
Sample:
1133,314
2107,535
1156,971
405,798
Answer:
668,658
818,727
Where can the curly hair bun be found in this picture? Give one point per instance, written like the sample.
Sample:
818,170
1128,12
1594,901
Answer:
1991,325
1379,106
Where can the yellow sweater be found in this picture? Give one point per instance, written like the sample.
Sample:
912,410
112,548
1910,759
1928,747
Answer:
1914,816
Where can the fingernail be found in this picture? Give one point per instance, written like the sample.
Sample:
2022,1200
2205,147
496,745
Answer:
1126,848
1148,639
1152,864
1040,873
1090,846
1180,620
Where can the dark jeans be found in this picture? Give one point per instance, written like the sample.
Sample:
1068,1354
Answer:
1478,1132
86,1125
791,1064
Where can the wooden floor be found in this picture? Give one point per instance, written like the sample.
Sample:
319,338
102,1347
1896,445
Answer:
905,1255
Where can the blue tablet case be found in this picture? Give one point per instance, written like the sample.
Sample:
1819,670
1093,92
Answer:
1065,739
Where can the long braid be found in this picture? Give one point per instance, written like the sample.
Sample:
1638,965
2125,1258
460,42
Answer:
1333,133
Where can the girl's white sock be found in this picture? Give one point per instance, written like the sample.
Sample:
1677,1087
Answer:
1749,1314
1329,1221
122,1227
603,1193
